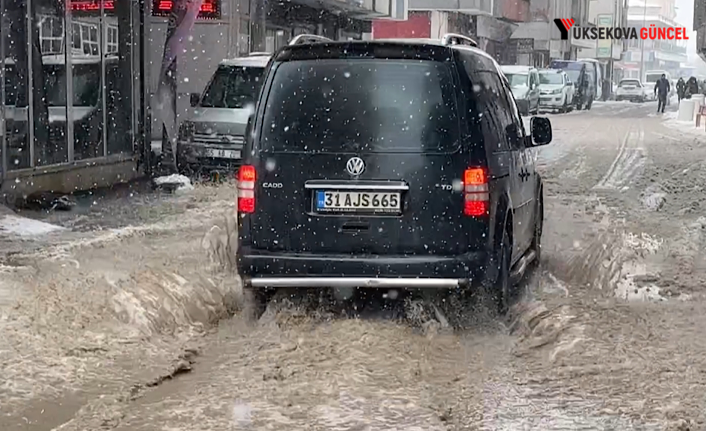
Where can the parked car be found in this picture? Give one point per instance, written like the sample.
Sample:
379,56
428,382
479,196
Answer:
583,78
632,90
213,137
556,90
524,83
373,185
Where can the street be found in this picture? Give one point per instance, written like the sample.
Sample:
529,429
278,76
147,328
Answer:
130,318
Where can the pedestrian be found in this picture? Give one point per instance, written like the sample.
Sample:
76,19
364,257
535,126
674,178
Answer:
692,87
662,92
681,87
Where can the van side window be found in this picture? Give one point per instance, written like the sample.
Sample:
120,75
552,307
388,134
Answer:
513,125
494,118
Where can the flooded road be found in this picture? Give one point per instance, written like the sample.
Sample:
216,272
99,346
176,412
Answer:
134,322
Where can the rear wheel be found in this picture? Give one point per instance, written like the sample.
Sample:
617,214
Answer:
254,303
500,289
538,228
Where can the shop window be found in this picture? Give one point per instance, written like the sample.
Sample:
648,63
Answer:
51,34
276,38
244,37
76,38
111,39
89,39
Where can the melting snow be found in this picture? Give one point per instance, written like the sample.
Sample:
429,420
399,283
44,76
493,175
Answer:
182,183
22,226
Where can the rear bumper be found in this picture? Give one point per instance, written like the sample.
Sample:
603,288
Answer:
353,282
264,269
196,155
630,96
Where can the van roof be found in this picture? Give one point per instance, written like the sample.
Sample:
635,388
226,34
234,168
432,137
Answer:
251,61
389,42
516,69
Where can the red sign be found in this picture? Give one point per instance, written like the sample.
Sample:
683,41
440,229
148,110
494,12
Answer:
209,8
91,5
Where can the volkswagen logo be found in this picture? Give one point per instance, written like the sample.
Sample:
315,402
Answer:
355,166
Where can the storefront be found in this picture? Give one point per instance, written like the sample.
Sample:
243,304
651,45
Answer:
106,55
89,50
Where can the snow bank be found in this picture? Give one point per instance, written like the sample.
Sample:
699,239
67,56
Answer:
673,122
179,183
22,226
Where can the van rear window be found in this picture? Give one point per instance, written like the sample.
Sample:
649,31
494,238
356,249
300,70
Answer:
361,105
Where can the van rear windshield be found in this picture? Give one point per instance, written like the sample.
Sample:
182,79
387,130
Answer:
361,105
233,87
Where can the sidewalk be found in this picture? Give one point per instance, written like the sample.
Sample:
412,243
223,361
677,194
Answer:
105,298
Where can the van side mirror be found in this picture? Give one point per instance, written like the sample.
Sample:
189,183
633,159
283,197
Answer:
194,99
541,129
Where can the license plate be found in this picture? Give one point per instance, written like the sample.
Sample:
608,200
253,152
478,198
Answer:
354,202
222,154
628,88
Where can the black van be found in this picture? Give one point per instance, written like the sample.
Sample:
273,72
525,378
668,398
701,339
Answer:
388,164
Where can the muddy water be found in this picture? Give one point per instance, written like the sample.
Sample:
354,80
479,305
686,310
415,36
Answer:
130,351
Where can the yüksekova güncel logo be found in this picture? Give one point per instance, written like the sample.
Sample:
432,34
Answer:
566,27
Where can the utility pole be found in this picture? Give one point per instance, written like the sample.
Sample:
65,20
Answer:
642,46
258,21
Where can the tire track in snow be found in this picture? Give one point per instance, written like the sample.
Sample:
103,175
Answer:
630,159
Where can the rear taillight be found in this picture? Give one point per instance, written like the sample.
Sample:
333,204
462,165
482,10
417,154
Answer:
475,191
246,189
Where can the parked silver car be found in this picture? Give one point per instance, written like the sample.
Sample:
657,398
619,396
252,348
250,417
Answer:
213,136
524,83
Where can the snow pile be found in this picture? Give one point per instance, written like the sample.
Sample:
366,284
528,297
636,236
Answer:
634,280
673,122
178,183
653,198
22,226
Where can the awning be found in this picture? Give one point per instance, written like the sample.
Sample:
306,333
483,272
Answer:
362,9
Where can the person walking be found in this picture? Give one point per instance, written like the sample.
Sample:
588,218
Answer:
692,87
681,87
662,92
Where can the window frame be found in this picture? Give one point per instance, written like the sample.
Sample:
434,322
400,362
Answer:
51,38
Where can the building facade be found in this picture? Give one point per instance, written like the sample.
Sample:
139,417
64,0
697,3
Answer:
540,32
607,13
700,27
644,55
490,23
79,76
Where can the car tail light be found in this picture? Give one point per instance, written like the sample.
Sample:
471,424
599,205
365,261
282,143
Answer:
246,189
476,193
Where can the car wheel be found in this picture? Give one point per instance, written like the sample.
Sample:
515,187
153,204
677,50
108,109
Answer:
254,303
500,289
538,228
